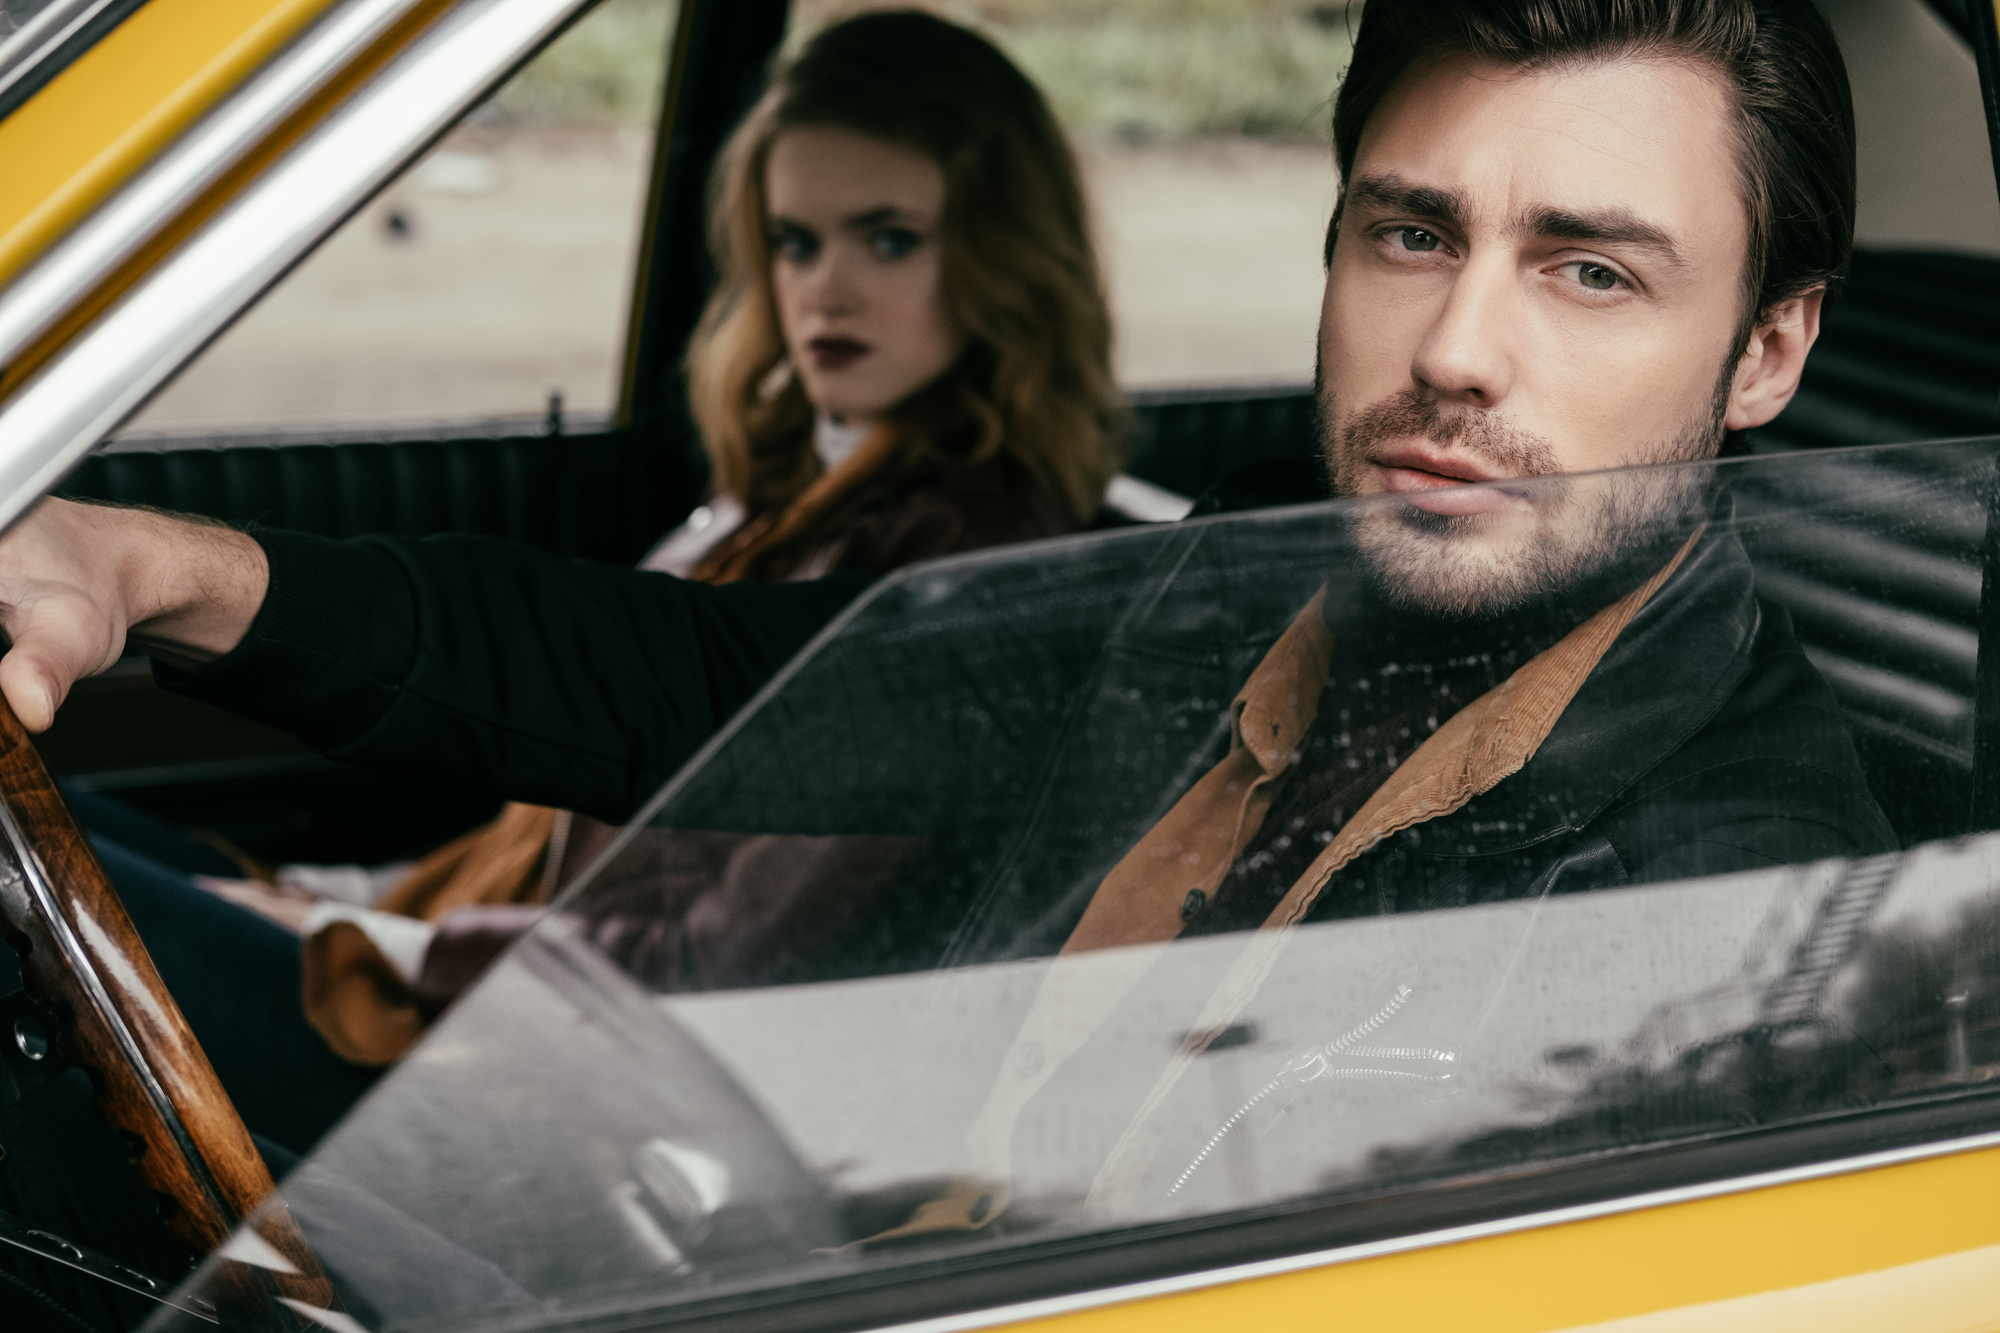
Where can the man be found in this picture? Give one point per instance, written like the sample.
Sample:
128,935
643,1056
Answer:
1569,240
1558,250
1571,237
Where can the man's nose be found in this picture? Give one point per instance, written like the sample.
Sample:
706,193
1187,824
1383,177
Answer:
1467,356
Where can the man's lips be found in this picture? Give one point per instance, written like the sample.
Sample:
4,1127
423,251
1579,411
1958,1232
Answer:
1434,479
836,353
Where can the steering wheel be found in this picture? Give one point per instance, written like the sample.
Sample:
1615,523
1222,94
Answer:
83,960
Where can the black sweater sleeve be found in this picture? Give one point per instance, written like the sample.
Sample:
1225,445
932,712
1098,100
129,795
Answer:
527,675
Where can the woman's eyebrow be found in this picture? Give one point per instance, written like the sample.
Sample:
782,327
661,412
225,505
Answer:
1606,226
876,217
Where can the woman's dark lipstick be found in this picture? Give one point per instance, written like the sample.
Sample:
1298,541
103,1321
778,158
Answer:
836,353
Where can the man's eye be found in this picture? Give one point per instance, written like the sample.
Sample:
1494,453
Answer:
1416,238
1596,276
795,244
893,242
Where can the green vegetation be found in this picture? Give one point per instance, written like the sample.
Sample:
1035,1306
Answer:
1130,69
1136,79
1146,69
606,70
1150,69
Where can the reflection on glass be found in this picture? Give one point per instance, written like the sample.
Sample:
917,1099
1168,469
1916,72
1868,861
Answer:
1668,909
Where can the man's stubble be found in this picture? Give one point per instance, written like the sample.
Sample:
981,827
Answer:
1463,566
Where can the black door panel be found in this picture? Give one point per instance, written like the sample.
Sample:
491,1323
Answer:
602,497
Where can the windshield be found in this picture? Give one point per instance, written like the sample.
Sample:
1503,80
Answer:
1001,950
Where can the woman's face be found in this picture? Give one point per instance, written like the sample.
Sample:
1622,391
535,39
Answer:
857,264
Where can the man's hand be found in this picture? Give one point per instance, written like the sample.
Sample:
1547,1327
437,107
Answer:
77,581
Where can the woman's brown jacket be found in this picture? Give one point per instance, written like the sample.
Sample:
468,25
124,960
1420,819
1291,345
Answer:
722,901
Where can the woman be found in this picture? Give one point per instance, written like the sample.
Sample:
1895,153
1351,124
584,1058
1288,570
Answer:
907,356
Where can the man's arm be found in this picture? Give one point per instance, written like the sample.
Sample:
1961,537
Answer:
519,673
77,581
528,675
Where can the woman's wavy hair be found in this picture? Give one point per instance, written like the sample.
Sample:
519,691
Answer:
1020,275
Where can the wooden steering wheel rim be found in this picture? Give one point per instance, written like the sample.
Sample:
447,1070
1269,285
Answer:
82,957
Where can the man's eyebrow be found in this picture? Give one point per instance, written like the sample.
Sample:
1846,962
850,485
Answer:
1393,194
1608,226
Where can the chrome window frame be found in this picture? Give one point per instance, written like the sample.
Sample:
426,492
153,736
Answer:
49,42
128,353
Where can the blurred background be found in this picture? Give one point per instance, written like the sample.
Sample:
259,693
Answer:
493,279
487,292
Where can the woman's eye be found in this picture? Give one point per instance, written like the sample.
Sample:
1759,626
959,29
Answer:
893,242
1596,276
1416,238
795,244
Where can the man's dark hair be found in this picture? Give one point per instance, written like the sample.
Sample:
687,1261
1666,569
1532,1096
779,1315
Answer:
1794,115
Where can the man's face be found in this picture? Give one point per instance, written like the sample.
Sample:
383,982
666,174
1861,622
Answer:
1535,273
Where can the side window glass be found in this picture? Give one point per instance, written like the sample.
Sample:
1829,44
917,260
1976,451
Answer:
487,290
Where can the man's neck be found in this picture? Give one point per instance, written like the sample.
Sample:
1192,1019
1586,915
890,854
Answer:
1371,630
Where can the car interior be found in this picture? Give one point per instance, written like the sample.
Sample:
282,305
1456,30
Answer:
1893,600
1907,352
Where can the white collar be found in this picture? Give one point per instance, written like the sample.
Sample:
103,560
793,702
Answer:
835,441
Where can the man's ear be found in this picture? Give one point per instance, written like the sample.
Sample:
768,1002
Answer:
1767,375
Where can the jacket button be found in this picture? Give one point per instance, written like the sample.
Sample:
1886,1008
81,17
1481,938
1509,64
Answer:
1192,904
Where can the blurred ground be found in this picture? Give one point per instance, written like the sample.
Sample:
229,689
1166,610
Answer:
494,274
1213,255
498,272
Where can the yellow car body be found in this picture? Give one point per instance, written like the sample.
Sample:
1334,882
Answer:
1865,1246
114,111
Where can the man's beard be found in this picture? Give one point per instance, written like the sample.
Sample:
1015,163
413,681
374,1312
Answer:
1561,534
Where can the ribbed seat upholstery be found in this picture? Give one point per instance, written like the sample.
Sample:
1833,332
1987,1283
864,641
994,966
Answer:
603,497
1888,603
1885,593
1909,351
1184,439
